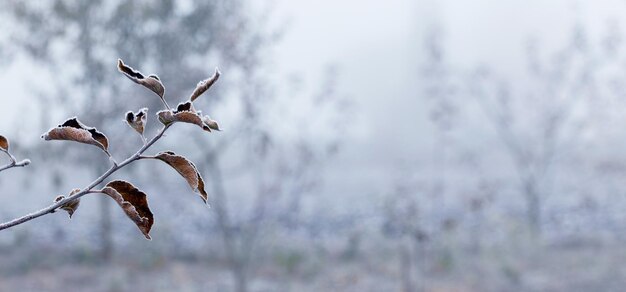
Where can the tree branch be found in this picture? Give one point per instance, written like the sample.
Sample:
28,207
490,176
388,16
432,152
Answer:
88,189
14,162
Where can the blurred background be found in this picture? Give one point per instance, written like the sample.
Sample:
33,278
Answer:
403,145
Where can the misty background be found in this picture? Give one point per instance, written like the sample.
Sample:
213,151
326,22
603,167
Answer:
367,146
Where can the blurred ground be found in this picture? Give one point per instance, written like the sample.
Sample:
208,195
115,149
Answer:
576,265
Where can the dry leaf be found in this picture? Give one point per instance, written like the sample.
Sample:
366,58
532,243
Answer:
151,82
167,117
134,203
70,206
4,143
74,130
204,85
185,113
186,169
137,120
212,124
185,106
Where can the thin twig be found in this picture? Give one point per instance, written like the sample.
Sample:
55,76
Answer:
87,189
14,162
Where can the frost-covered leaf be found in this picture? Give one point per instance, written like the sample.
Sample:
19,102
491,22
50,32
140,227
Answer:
134,203
151,82
4,143
204,85
137,120
212,124
187,170
185,113
74,130
70,206
167,117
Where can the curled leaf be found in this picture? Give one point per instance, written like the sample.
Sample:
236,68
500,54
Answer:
204,85
185,113
134,203
212,124
151,82
168,117
74,130
187,170
70,206
4,143
185,106
137,120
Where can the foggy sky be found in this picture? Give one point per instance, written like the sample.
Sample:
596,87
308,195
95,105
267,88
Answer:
376,47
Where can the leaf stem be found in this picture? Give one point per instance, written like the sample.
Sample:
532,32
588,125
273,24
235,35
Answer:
147,157
87,189
165,103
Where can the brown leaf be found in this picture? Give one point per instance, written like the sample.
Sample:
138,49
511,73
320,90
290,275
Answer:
187,170
137,120
167,117
70,206
4,143
185,113
151,82
134,203
204,85
74,130
212,124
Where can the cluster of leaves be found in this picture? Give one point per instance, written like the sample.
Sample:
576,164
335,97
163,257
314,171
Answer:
132,200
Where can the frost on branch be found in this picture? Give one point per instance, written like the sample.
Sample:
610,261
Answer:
74,130
187,170
134,203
